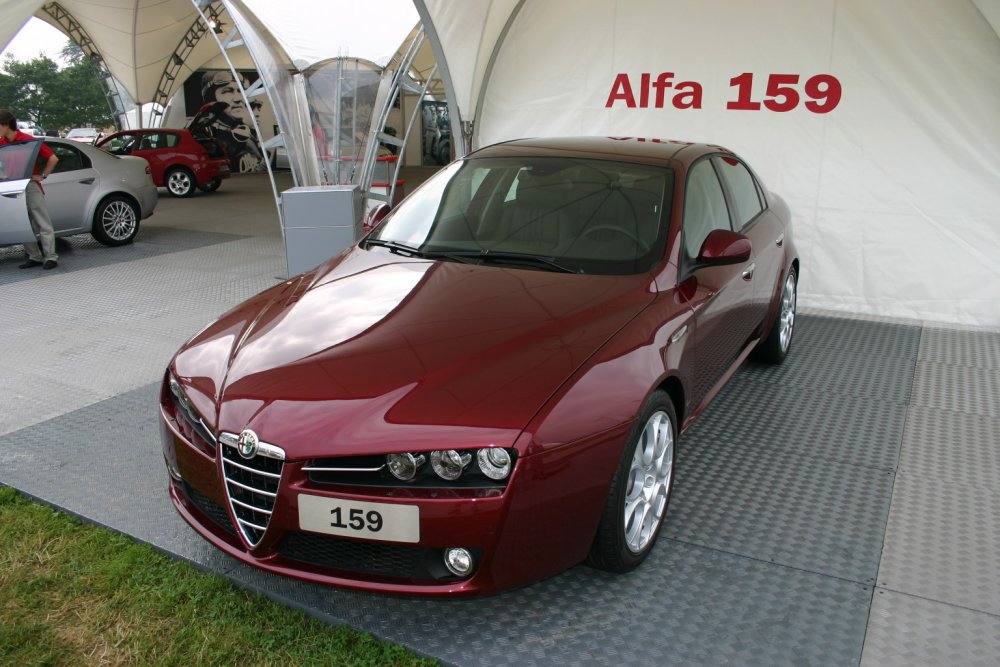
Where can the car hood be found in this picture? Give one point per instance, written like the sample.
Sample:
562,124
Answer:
374,352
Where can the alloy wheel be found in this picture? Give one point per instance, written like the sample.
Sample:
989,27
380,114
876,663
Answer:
118,220
648,483
787,318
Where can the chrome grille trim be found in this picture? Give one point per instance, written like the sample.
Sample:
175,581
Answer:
250,488
253,470
251,525
250,507
263,449
251,485
322,469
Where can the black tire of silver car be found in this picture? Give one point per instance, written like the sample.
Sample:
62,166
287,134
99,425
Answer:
640,490
116,221
775,347
180,182
211,186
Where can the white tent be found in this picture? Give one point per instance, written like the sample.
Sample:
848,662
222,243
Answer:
876,119
895,184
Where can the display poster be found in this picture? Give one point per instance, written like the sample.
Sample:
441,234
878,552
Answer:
233,126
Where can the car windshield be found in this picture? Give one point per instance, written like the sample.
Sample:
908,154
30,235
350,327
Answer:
550,213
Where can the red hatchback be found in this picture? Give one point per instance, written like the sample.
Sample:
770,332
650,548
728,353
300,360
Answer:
179,161
489,387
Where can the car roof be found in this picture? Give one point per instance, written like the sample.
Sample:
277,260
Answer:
639,149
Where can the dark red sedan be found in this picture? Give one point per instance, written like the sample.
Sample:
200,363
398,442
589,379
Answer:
179,161
488,388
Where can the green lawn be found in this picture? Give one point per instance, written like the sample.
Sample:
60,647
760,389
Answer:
75,594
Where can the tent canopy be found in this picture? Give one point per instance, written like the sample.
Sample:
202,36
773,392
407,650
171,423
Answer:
137,38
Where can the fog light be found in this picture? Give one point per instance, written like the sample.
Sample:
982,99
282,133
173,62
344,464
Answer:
449,464
404,466
494,462
458,561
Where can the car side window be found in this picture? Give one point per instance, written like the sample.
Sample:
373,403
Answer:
120,145
170,140
705,207
743,187
70,158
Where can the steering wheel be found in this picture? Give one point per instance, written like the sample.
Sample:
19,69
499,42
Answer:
613,228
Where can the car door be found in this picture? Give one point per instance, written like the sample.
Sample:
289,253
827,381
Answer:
150,147
16,163
721,297
752,219
70,189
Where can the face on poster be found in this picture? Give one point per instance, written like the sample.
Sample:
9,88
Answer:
233,126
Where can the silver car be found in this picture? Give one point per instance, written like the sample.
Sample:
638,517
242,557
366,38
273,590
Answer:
89,191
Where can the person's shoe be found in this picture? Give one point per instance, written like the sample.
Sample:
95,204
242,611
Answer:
50,264
29,263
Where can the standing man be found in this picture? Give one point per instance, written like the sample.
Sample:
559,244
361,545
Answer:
38,213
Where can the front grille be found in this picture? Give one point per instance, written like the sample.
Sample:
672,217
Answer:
252,486
210,508
389,560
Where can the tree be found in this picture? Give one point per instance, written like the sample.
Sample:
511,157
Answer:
39,92
27,88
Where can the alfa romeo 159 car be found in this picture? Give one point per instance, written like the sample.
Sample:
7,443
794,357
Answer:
89,191
488,387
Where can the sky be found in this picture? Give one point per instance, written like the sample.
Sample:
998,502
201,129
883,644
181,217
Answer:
36,37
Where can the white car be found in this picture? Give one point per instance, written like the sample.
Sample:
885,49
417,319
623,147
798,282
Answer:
85,135
89,191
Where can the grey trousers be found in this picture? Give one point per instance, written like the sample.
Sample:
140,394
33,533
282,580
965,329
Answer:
41,225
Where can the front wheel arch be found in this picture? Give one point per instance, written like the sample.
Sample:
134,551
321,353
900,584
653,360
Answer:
619,544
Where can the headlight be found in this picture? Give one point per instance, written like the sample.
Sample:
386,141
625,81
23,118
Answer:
494,462
405,466
449,464
182,398
187,410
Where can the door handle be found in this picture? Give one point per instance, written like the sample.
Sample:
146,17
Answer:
780,240
87,181
12,195
748,272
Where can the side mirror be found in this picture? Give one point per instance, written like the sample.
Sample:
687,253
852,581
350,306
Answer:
375,216
723,247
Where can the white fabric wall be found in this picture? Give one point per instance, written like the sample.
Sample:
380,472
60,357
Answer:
895,192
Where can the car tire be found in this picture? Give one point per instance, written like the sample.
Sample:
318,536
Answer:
640,490
775,347
211,186
180,182
116,221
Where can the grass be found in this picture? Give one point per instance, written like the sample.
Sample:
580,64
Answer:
75,594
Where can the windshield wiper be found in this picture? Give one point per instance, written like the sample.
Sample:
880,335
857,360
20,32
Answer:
514,258
471,256
396,247
410,251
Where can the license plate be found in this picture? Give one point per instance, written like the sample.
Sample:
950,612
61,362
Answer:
355,518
